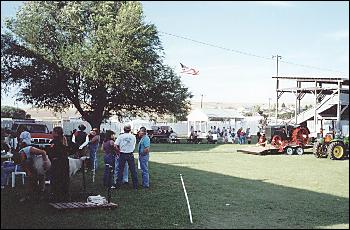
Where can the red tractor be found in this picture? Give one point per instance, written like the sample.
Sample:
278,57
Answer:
289,139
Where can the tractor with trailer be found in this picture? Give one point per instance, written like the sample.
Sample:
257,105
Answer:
332,146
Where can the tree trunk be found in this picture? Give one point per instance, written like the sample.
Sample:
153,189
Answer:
94,121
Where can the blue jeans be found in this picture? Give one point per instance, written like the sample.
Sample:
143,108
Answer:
93,156
242,140
144,168
108,159
131,162
116,170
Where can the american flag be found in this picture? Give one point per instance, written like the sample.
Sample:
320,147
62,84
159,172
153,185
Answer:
188,70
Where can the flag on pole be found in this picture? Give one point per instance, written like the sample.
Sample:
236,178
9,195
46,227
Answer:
188,70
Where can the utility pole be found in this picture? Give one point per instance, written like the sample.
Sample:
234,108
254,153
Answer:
277,85
269,107
201,100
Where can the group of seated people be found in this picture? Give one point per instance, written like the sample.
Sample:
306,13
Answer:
165,132
163,136
194,137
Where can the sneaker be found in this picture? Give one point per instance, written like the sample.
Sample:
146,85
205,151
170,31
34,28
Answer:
113,187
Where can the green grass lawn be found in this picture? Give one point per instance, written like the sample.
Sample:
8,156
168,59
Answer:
226,189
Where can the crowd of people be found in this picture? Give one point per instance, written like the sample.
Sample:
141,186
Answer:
118,154
229,135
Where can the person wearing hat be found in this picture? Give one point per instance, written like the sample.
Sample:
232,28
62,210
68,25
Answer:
80,140
126,145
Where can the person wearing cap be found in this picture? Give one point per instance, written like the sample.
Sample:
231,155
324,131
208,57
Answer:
126,145
143,149
81,140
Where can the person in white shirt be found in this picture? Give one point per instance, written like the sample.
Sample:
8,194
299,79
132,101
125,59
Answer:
126,145
11,140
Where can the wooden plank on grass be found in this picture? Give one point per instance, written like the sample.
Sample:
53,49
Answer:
81,205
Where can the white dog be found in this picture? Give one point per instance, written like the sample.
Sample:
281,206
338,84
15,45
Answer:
75,165
38,165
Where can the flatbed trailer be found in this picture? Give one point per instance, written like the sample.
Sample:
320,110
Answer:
270,149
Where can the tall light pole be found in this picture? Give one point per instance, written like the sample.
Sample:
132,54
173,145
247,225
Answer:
269,107
201,100
277,85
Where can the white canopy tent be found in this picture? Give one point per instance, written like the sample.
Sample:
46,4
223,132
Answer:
199,118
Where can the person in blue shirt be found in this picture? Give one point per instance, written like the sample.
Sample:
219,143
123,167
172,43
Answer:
144,151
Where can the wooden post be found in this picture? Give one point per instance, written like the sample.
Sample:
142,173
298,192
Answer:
84,181
109,182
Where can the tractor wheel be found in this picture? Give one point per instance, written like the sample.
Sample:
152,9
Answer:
336,150
299,150
317,149
289,150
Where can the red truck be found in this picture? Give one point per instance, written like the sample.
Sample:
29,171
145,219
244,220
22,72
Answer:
40,135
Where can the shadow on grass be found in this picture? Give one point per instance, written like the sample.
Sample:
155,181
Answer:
190,147
217,201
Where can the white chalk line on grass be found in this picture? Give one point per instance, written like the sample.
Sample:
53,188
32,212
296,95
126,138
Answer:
188,203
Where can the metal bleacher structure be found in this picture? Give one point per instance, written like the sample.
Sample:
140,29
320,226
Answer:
331,101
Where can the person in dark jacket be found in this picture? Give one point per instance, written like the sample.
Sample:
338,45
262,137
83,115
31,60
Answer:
80,140
58,154
110,151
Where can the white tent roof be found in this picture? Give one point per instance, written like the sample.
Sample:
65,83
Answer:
223,113
197,115
208,114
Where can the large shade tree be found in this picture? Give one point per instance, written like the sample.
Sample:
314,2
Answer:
12,112
100,56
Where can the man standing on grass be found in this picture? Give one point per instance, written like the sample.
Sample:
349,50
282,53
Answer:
144,147
126,145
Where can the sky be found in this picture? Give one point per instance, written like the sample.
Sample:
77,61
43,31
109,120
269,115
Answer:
304,33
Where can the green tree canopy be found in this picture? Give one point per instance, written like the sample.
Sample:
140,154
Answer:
12,112
99,56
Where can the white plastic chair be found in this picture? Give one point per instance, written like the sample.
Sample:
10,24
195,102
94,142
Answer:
14,174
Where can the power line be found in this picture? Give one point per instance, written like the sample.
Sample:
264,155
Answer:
313,67
250,54
216,46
